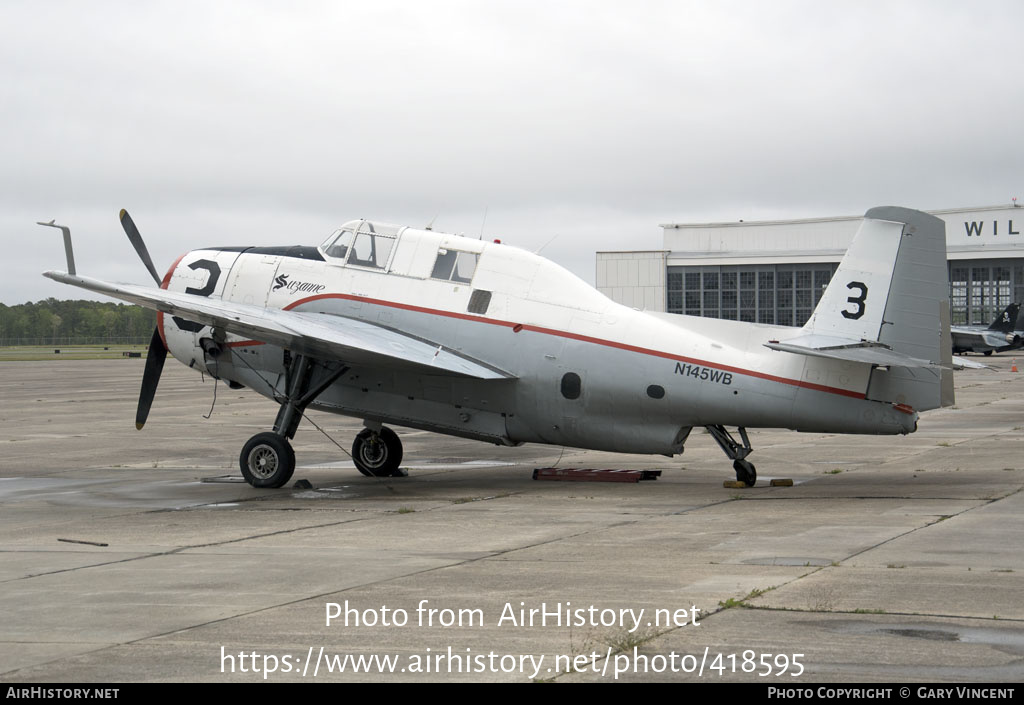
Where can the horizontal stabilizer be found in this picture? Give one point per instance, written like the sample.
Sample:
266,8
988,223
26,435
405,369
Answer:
962,363
866,351
319,335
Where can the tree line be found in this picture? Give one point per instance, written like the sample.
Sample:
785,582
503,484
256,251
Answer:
53,322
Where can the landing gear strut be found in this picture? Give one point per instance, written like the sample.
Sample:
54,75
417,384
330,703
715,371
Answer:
745,470
267,459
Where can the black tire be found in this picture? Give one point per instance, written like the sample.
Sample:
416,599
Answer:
267,460
377,454
988,352
745,472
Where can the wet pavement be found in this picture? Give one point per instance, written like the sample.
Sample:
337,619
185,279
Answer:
141,556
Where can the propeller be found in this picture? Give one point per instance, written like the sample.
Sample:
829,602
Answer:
155,359
157,354
140,247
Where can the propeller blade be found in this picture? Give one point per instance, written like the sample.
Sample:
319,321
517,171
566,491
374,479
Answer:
150,377
140,248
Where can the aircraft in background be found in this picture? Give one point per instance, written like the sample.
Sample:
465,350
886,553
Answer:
1002,335
421,329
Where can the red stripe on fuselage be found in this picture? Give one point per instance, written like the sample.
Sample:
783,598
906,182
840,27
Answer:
163,285
585,339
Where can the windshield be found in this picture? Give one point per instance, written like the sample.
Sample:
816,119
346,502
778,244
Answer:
360,246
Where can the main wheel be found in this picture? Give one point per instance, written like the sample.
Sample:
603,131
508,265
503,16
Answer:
745,472
267,460
377,454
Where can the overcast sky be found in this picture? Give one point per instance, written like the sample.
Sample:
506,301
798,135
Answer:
236,123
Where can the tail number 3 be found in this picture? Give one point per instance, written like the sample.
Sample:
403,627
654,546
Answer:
857,301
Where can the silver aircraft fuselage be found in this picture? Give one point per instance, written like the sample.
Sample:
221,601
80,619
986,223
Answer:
581,370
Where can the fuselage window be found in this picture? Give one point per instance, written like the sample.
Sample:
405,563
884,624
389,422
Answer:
444,264
465,265
572,385
451,265
656,391
371,250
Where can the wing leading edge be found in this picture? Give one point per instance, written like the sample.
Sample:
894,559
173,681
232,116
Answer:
320,335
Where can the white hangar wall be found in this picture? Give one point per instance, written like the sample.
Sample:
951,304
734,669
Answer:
775,271
636,279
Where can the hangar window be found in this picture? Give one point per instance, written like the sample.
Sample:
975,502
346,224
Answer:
572,385
692,303
710,304
455,266
780,294
958,278
821,280
729,300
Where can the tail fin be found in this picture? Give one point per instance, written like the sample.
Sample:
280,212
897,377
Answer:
888,283
888,304
1006,322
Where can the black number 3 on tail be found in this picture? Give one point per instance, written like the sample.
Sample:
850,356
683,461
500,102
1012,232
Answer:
858,301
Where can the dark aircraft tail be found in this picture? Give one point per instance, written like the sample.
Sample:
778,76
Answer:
1006,322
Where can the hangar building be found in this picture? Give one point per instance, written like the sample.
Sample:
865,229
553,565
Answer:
775,271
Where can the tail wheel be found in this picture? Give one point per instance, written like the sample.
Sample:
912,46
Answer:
267,460
377,454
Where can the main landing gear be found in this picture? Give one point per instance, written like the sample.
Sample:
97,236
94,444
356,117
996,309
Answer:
377,452
745,470
267,459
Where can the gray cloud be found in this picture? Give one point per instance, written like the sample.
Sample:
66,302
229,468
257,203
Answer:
263,122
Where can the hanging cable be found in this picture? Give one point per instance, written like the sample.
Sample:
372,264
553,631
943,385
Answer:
207,416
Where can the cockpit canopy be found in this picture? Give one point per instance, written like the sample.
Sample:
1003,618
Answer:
362,243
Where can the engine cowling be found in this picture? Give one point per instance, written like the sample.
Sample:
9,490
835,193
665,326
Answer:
201,273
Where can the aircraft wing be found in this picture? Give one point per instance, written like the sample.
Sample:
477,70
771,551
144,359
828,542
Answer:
319,335
867,351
